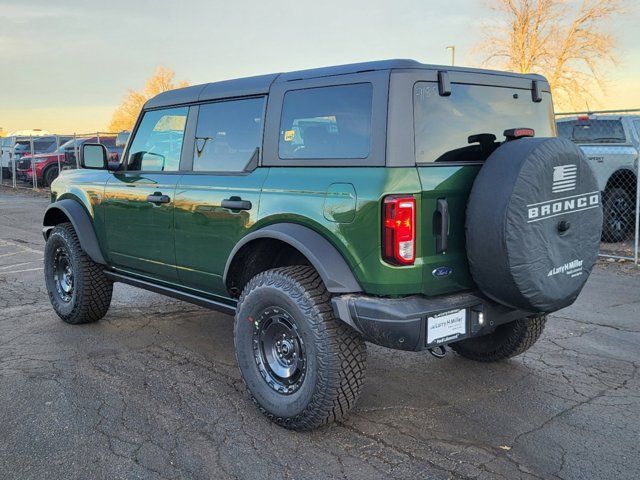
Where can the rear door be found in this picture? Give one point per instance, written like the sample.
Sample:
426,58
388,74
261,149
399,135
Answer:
217,198
457,123
139,201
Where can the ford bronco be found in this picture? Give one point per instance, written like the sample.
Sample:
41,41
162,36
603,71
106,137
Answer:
411,206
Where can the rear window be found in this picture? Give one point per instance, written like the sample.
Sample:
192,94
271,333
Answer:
592,131
461,127
327,122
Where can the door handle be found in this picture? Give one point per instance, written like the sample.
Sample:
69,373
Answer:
158,198
236,203
441,225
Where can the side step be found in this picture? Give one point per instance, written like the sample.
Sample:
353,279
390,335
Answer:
171,292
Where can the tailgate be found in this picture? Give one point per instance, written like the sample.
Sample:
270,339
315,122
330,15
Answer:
445,271
454,133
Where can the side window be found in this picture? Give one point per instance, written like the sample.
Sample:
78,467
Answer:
327,122
228,135
158,141
636,123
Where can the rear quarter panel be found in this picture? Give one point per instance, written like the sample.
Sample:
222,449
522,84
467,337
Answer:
301,195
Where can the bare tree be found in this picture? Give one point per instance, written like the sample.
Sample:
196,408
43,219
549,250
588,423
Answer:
126,114
567,43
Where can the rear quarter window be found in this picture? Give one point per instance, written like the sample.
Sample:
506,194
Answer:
327,122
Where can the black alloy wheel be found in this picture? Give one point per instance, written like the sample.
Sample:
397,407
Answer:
63,274
279,350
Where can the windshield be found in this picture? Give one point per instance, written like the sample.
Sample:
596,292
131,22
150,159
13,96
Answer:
592,131
469,125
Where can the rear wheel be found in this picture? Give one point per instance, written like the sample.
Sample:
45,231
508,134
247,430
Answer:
78,289
302,366
504,342
619,215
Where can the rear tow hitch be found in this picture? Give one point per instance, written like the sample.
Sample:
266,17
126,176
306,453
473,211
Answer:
438,352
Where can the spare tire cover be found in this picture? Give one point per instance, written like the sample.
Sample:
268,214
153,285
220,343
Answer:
533,224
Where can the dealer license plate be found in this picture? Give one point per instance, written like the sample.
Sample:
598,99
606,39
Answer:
446,326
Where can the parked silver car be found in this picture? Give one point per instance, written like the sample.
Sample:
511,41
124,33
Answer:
611,143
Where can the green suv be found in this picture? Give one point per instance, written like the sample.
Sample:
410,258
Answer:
407,205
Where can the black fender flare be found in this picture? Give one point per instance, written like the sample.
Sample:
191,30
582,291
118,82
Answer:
81,222
323,256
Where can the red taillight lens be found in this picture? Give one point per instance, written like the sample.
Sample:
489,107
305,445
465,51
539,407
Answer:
399,230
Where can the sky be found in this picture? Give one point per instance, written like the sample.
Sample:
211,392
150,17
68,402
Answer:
65,65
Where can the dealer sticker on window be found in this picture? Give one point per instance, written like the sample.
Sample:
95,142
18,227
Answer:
446,326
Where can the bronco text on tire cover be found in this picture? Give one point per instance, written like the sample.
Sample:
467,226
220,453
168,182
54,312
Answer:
533,224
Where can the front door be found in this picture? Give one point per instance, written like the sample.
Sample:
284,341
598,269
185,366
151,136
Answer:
217,201
139,201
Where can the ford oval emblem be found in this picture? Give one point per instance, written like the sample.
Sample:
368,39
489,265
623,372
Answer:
441,272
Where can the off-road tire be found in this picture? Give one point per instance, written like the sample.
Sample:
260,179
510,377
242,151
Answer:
49,175
618,212
336,354
92,290
506,341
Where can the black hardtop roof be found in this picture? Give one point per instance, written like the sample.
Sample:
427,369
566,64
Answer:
260,85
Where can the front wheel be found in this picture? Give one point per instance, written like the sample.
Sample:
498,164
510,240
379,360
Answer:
50,175
78,288
504,342
302,366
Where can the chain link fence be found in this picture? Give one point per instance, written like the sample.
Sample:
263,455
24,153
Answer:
35,161
611,141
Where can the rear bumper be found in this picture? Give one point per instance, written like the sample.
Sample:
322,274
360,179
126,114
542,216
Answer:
401,323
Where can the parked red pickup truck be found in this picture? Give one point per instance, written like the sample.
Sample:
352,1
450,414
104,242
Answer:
47,163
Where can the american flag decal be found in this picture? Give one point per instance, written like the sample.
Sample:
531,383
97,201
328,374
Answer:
564,178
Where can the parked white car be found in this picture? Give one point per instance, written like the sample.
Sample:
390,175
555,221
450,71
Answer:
9,143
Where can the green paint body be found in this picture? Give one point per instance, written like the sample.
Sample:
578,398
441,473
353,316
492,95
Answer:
186,243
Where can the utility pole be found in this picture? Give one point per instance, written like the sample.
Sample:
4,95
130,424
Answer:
453,53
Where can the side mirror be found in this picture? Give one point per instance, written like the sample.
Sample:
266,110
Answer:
94,156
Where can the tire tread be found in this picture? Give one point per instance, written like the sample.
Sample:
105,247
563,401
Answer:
524,334
93,290
342,353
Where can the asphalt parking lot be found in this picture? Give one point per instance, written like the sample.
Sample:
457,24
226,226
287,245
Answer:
153,391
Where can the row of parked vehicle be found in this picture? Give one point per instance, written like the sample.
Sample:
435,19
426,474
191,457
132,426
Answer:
50,154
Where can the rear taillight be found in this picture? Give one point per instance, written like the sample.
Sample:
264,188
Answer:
399,229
